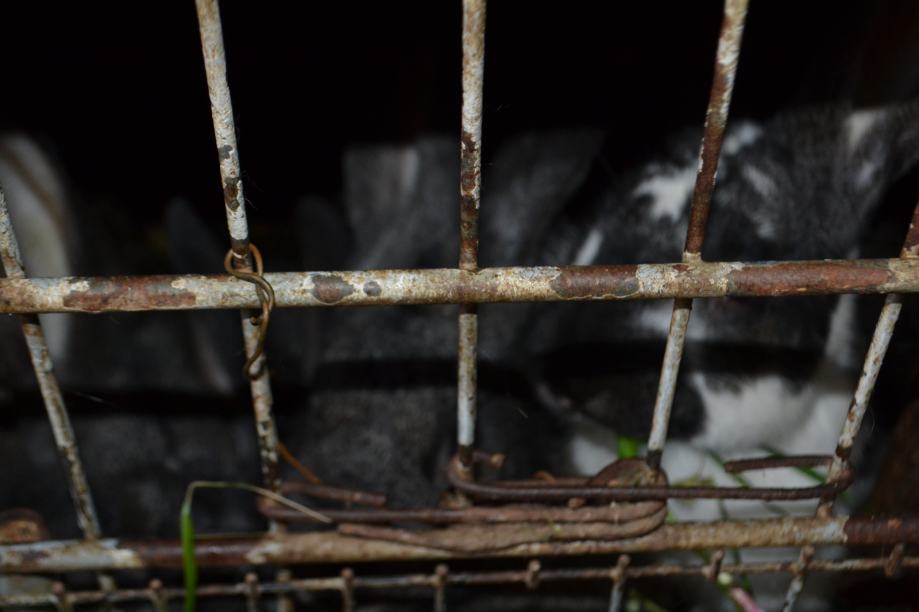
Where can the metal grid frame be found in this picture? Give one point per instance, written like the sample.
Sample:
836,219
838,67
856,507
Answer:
467,285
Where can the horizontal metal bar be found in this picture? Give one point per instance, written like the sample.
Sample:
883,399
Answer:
453,286
613,514
331,547
449,579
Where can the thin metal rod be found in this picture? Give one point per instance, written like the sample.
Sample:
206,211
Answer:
470,199
799,571
864,564
871,368
64,437
618,574
716,116
332,547
452,286
883,332
234,203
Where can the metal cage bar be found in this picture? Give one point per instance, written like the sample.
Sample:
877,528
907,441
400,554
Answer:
467,285
58,417
883,332
451,286
351,582
716,117
470,199
332,547
874,359
234,202
64,437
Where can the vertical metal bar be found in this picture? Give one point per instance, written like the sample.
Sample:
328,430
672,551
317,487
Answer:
252,592
618,575
50,391
157,596
347,590
440,587
714,565
797,583
61,597
716,116
532,575
470,197
883,332
234,202
215,65
894,560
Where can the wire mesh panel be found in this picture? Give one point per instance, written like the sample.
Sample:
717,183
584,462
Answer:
606,518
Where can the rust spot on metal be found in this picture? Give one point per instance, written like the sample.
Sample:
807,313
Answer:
794,278
330,288
577,282
21,525
120,292
882,530
654,487
469,169
372,289
231,192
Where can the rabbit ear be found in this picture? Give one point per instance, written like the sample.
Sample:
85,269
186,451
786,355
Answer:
532,176
216,341
399,200
41,216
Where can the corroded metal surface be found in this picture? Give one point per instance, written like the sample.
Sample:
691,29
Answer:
453,286
478,539
441,577
470,200
331,547
215,64
21,525
871,368
614,514
716,118
880,340
471,139
650,489
218,89
64,437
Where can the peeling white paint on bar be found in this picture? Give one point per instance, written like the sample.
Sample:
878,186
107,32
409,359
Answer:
727,55
222,114
453,286
466,392
473,43
212,48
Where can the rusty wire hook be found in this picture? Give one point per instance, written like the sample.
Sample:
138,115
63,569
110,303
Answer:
265,293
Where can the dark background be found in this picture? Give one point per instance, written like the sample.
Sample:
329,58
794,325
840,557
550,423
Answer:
117,91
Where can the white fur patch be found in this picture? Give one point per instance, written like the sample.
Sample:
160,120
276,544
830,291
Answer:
865,174
37,207
655,317
762,411
761,182
745,133
669,192
590,248
857,125
592,448
841,335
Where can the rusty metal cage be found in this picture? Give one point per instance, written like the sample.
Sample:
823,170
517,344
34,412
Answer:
633,524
